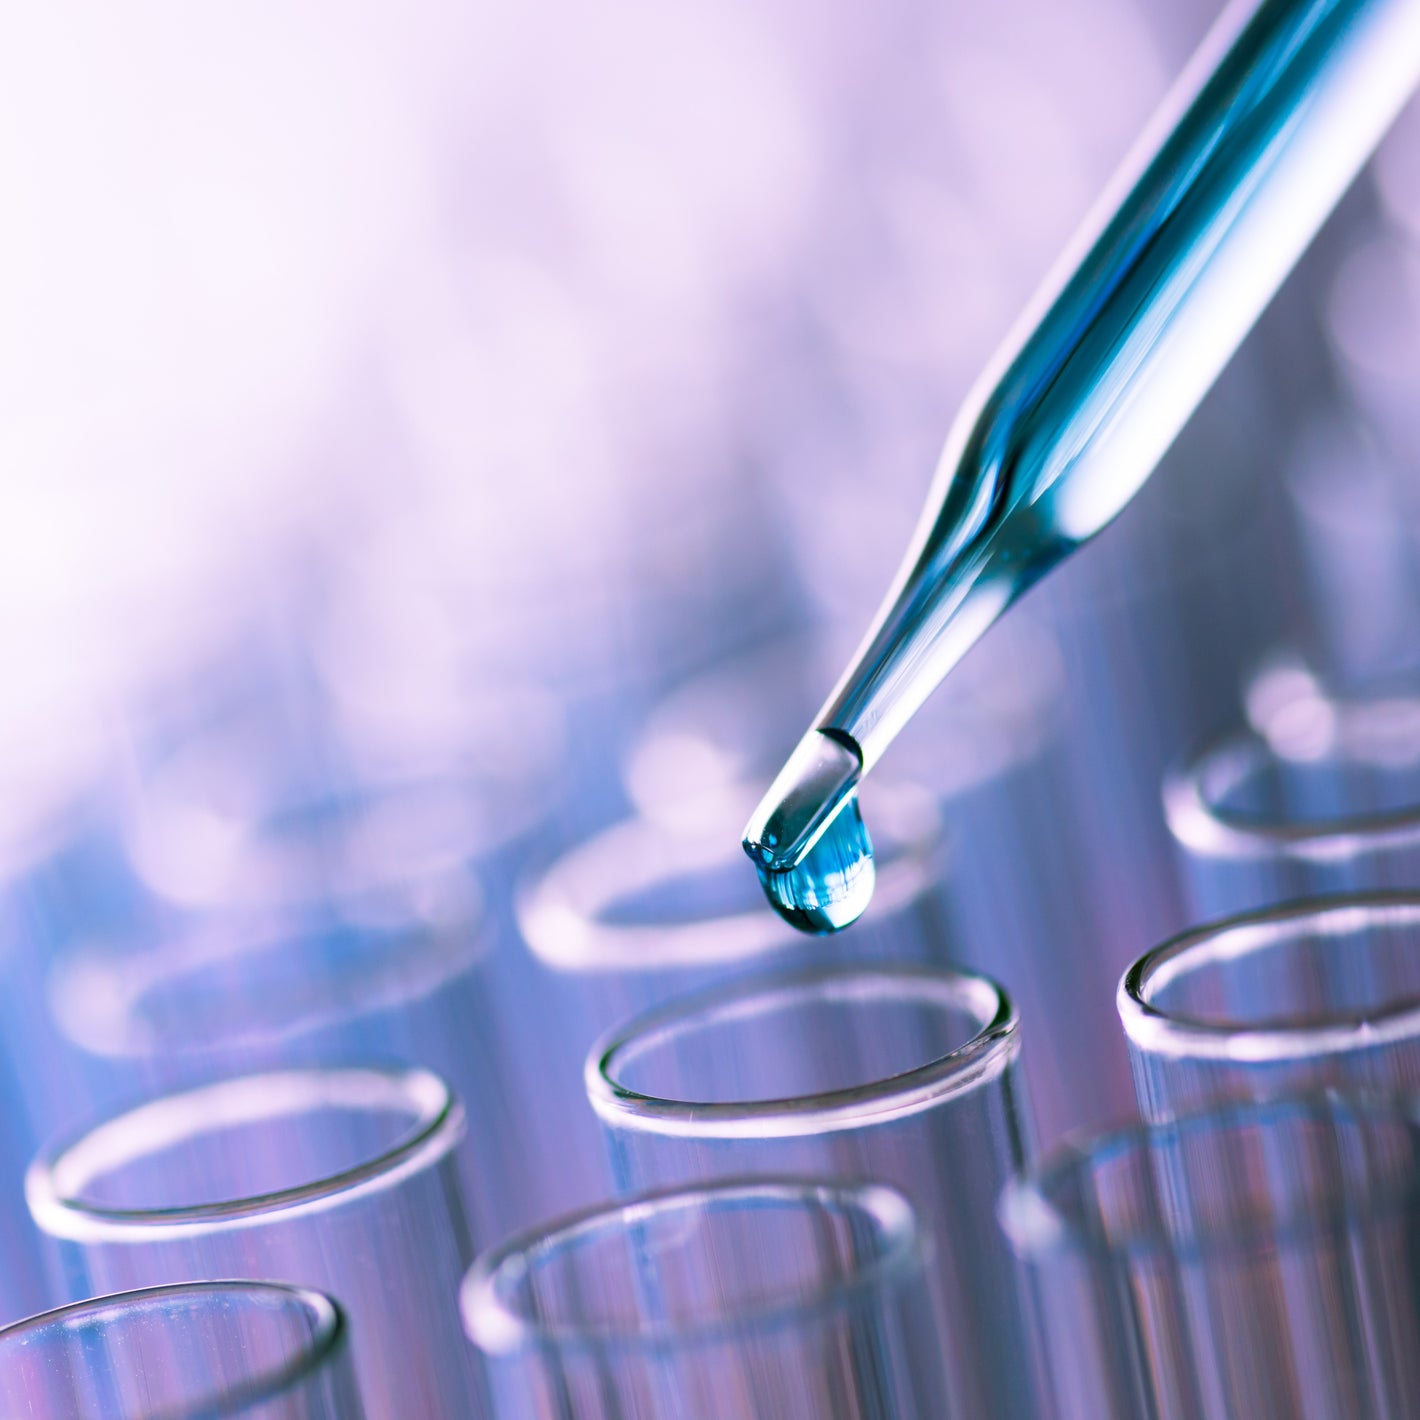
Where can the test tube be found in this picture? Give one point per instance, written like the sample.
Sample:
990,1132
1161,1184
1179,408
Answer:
268,812
394,974
354,863
780,1299
1320,794
649,909
190,1351
1306,995
1251,1260
668,899
341,1179
908,1075
1015,897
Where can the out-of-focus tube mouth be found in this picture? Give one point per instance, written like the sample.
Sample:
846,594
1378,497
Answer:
505,1311
1354,744
984,1040
269,980
313,1332
248,814
604,906
1206,1184
388,1124
1159,1019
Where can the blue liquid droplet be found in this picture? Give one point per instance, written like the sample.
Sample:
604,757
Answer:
834,882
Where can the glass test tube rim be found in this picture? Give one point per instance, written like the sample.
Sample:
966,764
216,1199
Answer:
96,992
1155,1031
497,1327
61,1211
330,1331
559,909
984,1056
1201,824
266,853
1039,1232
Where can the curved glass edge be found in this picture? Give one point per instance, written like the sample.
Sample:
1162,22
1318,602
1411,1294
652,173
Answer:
559,912
984,1057
97,993
1191,799
497,1326
328,1340
1038,1231
54,1182
1153,1031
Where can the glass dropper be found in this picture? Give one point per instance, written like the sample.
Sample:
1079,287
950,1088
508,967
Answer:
1251,150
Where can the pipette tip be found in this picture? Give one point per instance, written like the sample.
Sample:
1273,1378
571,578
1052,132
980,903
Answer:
805,796
833,882
807,839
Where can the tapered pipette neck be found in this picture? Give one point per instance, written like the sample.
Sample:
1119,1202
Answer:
812,787
1273,118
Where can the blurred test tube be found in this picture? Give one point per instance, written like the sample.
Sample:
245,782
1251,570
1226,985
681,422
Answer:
337,884
364,786
1252,1260
649,909
991,753
1306,995
1319,793
189,1351
342,1179
388,975
906,1075
774,1298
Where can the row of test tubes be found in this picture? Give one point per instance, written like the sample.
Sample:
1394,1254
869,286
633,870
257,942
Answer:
392,1028
824,1190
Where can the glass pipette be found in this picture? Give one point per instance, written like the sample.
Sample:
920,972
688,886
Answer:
1253,147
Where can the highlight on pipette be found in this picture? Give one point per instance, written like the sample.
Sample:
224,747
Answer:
807,838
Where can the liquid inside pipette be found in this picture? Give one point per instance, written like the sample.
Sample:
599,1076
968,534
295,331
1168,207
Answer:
1269,125
833,882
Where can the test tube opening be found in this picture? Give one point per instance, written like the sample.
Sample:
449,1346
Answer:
251,984
919,1036
644,896
1304,980
1219,1182
779,1252
252,1146
1323,779
185,1350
